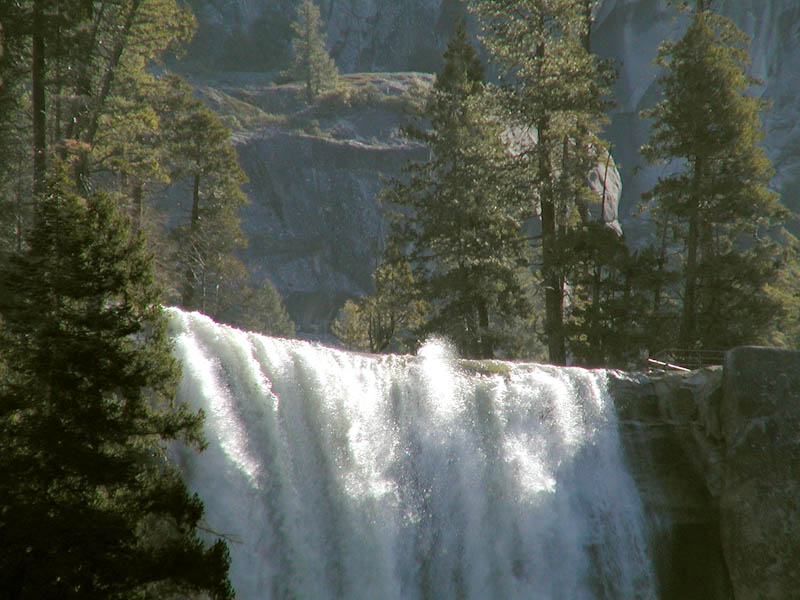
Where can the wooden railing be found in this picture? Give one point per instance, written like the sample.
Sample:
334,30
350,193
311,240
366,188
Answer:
683,359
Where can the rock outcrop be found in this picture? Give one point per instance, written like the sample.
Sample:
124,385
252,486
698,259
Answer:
715,454
759,505
313,223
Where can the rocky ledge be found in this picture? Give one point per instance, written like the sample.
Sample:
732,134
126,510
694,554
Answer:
716,456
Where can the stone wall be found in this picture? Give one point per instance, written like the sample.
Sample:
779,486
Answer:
716,457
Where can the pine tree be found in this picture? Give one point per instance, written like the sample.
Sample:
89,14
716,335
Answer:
89,505
263,310
460,226
88,98
201,155
555,91
312,63
388,319
728,223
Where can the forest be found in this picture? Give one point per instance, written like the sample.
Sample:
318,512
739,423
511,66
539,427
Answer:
120,192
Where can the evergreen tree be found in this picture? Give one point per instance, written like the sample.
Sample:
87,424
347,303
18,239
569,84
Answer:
459,224
89,505
554,93
262,310
389,318
727,222
312,63
201,155
611,317
88,99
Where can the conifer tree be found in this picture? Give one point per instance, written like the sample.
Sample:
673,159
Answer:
312,63
262,310
460,226
389,318
556,89
728,223
89,505
202,156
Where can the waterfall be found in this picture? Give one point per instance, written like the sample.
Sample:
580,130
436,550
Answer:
342,475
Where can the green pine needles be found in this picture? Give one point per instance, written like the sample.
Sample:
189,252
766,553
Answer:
312,64
457,221
727,223
89,505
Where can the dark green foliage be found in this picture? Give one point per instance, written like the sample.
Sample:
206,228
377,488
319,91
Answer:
614,310
459,225
553,87
388,319
262,310
89,505
727,224
202,158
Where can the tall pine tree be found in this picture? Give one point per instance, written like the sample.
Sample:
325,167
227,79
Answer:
728,223
89,505
202,156
556,90
312,63
460,226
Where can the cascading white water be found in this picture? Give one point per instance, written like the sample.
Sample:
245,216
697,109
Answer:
341,475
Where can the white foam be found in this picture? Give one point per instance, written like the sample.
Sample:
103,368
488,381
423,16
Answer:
349,476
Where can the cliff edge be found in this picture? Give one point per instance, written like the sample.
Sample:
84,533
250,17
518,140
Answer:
715,454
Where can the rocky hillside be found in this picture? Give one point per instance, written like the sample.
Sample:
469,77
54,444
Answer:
313,223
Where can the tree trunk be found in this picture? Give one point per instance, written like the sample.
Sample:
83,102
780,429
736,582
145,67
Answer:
688,330
554,294
82,166
38,99
484,343
586,33
137,201
189,293
75,121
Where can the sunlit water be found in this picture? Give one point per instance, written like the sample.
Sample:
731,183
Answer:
341,475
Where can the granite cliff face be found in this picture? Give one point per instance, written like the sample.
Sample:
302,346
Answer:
716,457
629,31
313,223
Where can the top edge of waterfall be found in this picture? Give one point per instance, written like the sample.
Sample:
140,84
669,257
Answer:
487,367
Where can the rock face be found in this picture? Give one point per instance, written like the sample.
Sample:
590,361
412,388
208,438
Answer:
403,35
629,31
716,457
313,223
363,35
759,506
